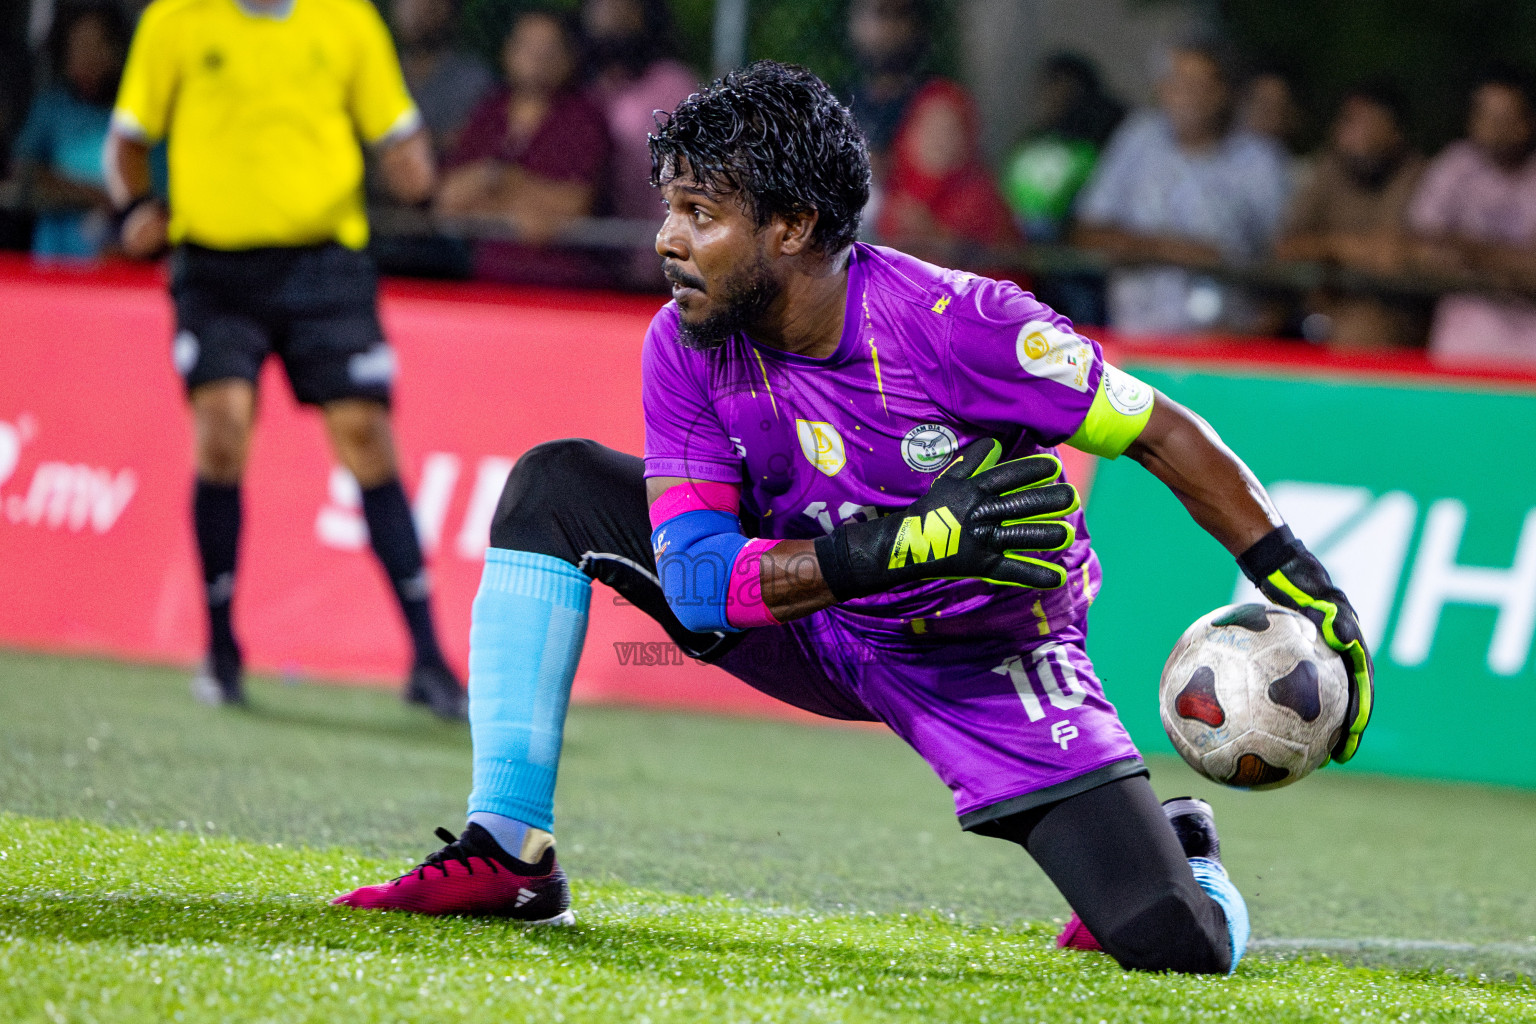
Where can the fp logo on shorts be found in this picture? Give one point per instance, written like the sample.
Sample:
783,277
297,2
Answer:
928,447
1063,732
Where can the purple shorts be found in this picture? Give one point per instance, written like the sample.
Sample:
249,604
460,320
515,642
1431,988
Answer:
1007,724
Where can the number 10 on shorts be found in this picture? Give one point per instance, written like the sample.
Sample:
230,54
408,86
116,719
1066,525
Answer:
1045,671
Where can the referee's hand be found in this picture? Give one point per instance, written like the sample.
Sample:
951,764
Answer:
144,231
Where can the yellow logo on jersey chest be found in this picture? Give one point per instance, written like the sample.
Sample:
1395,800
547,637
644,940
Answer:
822,445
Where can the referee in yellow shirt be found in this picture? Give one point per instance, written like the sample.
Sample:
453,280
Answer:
263,104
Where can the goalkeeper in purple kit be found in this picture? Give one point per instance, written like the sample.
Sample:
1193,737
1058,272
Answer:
850,500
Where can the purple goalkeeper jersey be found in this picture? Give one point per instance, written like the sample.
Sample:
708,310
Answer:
929,360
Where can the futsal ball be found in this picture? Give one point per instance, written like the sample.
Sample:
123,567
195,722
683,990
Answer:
1252,697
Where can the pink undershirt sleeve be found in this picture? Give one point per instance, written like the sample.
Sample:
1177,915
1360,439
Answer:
744,606
695,496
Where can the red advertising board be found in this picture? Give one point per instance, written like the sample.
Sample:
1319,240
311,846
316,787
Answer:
96,552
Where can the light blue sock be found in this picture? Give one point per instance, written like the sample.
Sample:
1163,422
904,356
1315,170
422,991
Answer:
526,629
1213,879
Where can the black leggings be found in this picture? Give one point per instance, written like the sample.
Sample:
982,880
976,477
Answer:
1110,850
1115,858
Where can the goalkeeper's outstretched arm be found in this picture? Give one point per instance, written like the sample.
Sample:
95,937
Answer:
1227,500
1220,492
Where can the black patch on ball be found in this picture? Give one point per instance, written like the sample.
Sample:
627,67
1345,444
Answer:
1253,770
1198,699
1252,617
1297,690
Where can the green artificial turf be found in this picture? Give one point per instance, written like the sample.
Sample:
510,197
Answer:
687,838
163,926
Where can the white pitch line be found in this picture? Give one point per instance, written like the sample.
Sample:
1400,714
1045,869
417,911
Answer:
1397,945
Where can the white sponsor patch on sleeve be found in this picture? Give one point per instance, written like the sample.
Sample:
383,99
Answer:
1047,351
1127,395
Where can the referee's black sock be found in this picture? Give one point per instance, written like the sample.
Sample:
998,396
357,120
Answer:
216,520
393,533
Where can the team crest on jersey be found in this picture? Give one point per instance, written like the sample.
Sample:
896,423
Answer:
1127,395
1046,350
928,447
822,445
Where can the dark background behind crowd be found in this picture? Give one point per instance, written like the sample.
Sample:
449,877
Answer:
1358,174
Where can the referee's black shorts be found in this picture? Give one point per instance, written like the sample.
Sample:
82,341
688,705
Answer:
315,307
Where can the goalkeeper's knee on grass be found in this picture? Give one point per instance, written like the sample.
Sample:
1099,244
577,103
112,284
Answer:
1170,932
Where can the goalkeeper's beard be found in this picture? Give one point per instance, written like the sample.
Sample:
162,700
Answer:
744,298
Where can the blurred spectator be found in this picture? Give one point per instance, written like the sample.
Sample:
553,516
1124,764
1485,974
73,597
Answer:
57,156
938,191
533,155
1269,107
635,72
14,75
889,39
1354,213
1046,171
15,222
1476,211
1182,186
445,80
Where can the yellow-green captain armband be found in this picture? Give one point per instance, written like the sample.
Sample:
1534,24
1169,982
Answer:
1120,410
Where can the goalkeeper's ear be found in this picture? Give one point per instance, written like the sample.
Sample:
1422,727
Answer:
1119,413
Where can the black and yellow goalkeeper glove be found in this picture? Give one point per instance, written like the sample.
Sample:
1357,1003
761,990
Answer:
1291,576
979,520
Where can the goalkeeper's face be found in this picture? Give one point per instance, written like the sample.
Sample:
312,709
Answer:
719,261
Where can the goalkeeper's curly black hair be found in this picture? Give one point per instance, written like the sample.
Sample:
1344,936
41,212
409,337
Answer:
774,135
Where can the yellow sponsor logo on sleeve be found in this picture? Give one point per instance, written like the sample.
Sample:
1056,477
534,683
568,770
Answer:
1051,352
926,539
1036,345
